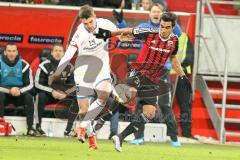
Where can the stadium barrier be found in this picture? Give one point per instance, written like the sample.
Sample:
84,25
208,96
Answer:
155,132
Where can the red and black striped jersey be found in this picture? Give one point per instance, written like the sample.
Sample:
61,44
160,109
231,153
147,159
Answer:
154,53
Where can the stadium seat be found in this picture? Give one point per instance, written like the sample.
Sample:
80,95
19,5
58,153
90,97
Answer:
45,52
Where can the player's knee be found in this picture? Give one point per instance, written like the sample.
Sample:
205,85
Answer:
103,98
125,93
102,102
132,93
149,111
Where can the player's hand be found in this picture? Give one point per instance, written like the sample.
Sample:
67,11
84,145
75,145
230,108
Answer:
15,91
118,15
186,84
103,34
62,95
126,38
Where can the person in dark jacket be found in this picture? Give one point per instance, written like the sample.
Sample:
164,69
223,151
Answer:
16,83
58,91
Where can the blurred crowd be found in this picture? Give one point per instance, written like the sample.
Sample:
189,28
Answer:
123,4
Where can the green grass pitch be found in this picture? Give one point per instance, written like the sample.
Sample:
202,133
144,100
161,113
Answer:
35,148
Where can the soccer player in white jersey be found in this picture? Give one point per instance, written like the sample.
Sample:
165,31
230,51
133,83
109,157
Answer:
92,69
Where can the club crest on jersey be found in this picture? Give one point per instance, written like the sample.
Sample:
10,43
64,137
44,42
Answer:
170,44
73,43
153,42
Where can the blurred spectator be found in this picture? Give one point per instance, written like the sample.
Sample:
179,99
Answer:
75,2
16,82
20,1
124,4
146,5
56,92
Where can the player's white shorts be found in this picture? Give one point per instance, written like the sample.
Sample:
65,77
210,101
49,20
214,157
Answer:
86,80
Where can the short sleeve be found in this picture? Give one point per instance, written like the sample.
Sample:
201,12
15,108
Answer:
75,39
176,49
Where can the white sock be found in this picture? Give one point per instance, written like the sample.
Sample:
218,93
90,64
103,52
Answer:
93,111
89,129
84,124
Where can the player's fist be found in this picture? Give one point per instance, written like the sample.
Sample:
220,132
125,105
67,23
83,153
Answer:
103,34
186,83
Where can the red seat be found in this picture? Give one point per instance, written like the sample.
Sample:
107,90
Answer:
55,106
34,65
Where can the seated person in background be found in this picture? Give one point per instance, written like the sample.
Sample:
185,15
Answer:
56,92
16,82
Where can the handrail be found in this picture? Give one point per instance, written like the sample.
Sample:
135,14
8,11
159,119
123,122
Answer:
224,2
224,99
215,65
196,45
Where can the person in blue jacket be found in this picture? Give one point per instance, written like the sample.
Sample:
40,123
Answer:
16,84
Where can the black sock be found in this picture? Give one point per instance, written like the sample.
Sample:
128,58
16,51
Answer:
131,128
140,132
38,125
100,123
134,126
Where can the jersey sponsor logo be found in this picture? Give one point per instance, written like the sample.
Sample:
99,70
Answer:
16,38
145,30
73,43
160,49
128,45
36,39
170,44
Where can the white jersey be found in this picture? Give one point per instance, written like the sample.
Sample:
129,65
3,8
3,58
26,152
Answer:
92,65
88,44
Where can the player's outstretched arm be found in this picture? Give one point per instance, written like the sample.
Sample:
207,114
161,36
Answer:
105,34
63,63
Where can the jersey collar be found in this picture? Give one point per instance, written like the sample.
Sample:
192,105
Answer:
163,38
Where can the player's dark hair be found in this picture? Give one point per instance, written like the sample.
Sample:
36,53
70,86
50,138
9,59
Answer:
10,44
168,16
86,12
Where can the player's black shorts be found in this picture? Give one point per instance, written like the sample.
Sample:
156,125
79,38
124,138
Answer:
147,90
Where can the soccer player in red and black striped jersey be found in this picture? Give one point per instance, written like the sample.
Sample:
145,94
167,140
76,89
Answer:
144,81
